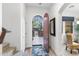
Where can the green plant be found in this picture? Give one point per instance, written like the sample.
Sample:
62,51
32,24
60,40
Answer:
77,28
77,32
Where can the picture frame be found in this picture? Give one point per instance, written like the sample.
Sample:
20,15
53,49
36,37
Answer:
52,27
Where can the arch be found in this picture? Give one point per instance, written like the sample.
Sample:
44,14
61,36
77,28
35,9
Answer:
37,22
63,8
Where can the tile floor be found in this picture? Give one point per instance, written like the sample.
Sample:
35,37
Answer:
29,50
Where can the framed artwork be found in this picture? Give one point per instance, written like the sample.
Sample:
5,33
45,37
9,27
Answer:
52,27
37,22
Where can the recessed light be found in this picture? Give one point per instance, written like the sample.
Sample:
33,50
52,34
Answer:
39,3
71,6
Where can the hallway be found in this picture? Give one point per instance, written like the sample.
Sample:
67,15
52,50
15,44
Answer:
40,29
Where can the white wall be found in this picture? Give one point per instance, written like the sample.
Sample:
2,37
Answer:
22,26
0,17
71,11
56,41
11,21
31,11
68,13
0,26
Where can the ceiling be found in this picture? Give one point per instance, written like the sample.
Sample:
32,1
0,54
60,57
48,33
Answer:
72,8
39,4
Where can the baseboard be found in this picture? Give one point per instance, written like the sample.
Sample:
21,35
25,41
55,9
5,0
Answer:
28,48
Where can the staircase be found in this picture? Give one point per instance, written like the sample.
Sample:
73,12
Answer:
7,50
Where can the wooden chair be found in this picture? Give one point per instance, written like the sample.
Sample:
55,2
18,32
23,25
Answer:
70,43
2,35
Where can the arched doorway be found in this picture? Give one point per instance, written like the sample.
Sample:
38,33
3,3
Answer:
61,28
63,12
38,39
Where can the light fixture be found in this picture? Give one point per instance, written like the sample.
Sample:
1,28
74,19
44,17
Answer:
39,3
71,6
77,22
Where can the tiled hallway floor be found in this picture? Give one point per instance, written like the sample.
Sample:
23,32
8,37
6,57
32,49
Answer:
28,51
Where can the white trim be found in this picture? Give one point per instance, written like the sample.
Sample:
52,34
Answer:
22,27
0,17
0,26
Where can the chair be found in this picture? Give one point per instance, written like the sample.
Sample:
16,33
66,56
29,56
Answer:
71,44
2,35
